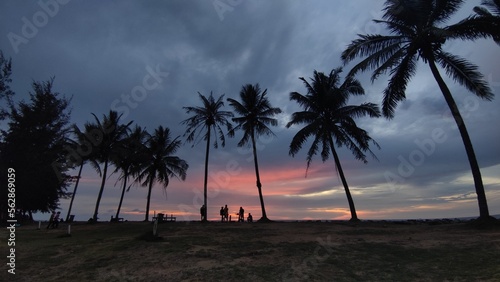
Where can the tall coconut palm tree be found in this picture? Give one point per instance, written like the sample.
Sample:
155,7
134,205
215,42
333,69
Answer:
208,118
328,118
417,32
105,137
160,163
256,113
129,157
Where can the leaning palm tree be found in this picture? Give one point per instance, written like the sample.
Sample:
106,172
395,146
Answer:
208,118
328,118
105,137
160,164
417,33
256,113
130,155
81,157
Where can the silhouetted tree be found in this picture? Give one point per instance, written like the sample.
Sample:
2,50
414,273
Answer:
131,153
328,118
255,114
33,143
208,118
106,137
5,92
417,33
160,164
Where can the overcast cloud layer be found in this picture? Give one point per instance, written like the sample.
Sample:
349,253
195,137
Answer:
148,59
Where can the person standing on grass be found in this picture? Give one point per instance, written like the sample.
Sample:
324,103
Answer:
226,213
51,219
241,215
55,223
203,212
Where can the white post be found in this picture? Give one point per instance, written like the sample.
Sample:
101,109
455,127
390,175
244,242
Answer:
155,227
39,224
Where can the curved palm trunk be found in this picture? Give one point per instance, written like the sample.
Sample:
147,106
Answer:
205,181
121,197
74,191
354,216
149,198
96,211
476,173
259,185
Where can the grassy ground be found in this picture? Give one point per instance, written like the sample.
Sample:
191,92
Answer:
306,251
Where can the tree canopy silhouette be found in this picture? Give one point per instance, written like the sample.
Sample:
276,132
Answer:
255,114
208,118
330,121
33,146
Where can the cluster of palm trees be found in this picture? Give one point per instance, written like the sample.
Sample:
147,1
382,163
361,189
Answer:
415,34
134,152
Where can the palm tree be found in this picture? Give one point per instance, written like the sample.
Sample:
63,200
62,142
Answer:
130,155
105,138
80,159
160,164
416,33
207,118
256,113
490,16
327,117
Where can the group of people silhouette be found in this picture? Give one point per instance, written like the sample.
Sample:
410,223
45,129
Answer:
224,214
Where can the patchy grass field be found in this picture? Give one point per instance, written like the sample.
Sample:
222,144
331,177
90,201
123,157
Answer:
303,251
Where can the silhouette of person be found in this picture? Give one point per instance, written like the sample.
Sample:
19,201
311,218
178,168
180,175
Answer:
226,213
250,218
241,215
51,219
221,214
55,223
203,211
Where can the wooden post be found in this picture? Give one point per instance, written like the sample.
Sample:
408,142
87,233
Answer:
69,229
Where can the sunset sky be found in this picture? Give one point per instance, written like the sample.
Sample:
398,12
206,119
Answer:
104,53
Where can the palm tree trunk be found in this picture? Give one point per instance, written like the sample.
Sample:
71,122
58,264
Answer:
149,198
259,185
354,216
476,173
123,193
96,211
205,181
74,191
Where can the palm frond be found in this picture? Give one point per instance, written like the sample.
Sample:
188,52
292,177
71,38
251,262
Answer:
466,74
395,90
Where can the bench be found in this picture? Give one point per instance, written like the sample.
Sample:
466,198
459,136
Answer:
164,218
